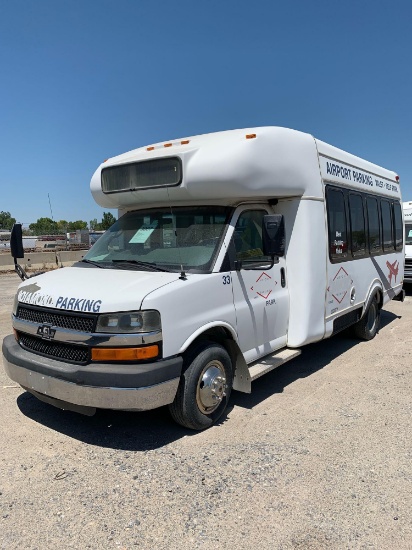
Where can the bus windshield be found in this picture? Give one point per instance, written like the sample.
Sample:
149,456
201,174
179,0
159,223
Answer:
408,233
163,239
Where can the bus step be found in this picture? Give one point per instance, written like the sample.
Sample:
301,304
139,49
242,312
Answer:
271,362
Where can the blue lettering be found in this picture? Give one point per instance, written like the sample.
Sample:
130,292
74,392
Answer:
77,304
88,305
338,171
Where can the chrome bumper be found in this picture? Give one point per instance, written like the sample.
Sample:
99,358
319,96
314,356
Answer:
61,392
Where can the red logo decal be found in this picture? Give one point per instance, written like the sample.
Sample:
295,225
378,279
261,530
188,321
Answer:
392,270
263,284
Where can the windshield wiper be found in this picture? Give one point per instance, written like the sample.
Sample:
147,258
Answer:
138,263
97,264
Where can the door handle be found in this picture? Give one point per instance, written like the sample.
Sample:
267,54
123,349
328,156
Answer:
282,277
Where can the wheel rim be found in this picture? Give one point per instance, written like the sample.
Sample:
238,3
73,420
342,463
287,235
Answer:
211,388
372,317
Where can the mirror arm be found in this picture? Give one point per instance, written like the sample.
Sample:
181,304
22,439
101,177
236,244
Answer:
256,267
20,271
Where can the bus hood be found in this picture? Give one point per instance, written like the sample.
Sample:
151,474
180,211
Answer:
92,290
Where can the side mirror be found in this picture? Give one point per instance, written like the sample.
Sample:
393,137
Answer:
16,241
273,235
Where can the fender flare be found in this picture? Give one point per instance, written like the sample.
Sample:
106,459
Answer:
201,330
241,375
376,289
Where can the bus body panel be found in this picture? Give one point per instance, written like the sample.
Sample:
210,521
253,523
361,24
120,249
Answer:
407,218
217,289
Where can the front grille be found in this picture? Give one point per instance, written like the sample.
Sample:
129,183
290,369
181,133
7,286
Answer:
71,321
55,350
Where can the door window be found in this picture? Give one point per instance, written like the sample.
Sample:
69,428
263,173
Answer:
248,236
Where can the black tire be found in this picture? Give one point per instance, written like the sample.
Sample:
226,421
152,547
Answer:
368,326
204,388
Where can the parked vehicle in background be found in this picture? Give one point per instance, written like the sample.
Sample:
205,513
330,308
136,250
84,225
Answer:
407,218
232,251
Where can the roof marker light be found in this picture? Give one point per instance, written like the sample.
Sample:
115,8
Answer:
185,142
149,148
167,144
397,178
250,136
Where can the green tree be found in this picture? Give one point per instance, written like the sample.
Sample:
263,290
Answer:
62,226
107,221
94,225
6,221
79,224
44,226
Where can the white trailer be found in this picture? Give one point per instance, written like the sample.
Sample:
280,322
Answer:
407,218
233,250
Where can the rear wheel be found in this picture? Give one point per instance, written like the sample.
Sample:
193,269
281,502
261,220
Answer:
368,326
204,388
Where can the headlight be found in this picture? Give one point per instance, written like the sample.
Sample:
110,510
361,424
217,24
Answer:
15,304
128,322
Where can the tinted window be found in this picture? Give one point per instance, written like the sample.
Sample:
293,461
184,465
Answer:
398,225
387,232
357,224
338,243
373,225
138,175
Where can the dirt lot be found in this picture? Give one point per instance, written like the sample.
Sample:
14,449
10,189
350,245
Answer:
319,456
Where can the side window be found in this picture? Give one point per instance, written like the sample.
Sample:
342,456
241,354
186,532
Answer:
375,246
408,233
357,225
387,231
248,236
398,225
338,241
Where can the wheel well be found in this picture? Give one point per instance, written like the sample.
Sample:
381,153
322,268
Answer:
379,297
214,334
377,292
218,335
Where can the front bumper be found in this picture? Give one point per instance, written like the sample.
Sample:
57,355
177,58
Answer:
97,385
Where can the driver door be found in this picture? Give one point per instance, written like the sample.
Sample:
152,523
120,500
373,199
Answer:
260,292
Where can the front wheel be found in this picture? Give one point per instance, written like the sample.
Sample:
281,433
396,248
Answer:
204,388
368,326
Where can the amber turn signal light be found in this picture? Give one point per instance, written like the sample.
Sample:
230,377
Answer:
125,354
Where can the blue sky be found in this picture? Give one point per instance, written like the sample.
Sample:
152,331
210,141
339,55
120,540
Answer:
85,80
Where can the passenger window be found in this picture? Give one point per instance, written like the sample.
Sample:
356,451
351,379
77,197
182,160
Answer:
387,230
375,246
357,225
248,236
338,242
398,226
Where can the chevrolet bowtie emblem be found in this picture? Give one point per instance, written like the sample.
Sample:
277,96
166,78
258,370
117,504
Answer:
46,332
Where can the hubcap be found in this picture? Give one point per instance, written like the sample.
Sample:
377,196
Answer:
211,388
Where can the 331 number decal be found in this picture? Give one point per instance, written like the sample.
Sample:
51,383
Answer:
226,279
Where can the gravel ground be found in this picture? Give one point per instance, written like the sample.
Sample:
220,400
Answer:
319,456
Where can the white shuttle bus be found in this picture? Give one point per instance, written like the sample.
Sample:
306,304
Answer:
407,218
232,251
